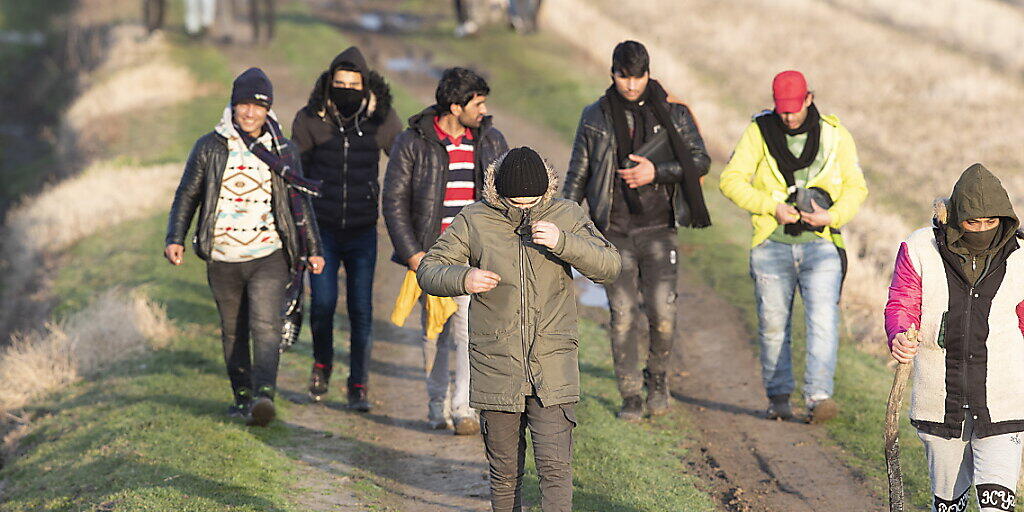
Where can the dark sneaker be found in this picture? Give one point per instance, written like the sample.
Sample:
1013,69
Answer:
262,412
779,408
657,393
467,426
632,409
357,399
820,411
239,410
319,379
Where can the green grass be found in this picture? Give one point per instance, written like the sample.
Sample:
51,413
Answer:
149,433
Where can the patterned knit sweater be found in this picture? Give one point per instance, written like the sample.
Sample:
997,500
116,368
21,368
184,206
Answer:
244,229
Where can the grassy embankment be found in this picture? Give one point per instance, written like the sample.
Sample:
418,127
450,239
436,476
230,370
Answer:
554,94
149,433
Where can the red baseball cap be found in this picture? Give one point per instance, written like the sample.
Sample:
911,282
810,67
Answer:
789,89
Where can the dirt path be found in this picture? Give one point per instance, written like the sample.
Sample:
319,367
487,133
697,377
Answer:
390,457
758,464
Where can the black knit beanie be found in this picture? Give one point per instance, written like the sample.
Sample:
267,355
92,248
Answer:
252,86
521,174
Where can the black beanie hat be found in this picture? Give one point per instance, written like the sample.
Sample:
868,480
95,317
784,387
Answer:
252,86
521,174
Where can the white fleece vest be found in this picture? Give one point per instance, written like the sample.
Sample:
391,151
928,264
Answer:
1004,384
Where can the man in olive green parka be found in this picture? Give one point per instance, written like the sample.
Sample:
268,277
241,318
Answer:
514,252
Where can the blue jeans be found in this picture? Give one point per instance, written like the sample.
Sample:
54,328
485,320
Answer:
778,269
357,250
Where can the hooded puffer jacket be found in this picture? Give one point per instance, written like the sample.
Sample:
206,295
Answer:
344,153
523,336
971,357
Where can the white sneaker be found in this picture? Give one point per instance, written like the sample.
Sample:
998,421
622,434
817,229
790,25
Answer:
467,29
436,417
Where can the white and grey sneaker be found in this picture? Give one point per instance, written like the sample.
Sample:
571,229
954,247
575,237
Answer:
436,417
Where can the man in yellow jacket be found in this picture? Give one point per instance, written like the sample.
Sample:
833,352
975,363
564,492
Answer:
798,175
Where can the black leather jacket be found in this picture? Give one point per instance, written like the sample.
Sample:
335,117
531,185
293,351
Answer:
592,167
200,188
416,179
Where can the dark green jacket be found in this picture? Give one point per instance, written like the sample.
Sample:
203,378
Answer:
523,336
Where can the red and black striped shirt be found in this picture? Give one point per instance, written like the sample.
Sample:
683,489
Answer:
461,187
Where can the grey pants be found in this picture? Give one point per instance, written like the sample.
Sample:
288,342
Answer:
991,464
437,356
250,298
648,276
505,441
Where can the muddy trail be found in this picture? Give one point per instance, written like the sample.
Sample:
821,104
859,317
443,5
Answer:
391,458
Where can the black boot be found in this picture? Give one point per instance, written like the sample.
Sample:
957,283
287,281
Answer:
657,392
263,410
357,399
632,408
319,379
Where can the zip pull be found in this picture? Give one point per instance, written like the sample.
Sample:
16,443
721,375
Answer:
974,263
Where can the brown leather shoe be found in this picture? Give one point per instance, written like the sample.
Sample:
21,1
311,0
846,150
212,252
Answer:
467,426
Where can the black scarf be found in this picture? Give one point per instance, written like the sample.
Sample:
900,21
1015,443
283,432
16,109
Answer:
774,132
655,98
280,163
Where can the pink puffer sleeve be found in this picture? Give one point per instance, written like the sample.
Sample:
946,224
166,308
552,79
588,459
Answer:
1020,317
904,306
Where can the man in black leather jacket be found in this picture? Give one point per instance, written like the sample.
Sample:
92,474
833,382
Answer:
637,204
254,231
436,167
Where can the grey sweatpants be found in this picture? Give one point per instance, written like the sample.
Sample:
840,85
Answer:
505,442
991,464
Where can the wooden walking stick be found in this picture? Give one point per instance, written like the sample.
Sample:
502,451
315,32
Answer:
892,427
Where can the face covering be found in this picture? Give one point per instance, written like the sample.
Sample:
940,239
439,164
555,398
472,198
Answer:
979,240
346,100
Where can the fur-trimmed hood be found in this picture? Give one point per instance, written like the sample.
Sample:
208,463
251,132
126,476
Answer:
490,191
377,101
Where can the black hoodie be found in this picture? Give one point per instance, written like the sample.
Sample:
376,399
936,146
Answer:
344,153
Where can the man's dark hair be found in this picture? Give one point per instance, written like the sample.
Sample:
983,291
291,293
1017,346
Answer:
630,59
458,86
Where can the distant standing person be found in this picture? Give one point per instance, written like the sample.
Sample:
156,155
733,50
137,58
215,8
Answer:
263,17
960,283
435,169
340,133
199,16
523,15
514,251
255,230
466,25
639,204
797,173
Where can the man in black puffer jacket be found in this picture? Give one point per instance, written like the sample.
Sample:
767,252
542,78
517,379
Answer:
436,168
340,133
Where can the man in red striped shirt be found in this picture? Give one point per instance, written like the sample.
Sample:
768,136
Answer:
436,167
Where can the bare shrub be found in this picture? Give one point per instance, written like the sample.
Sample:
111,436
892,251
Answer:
116,325
101,197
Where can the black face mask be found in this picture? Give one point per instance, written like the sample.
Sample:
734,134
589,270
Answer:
979,240
346,100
